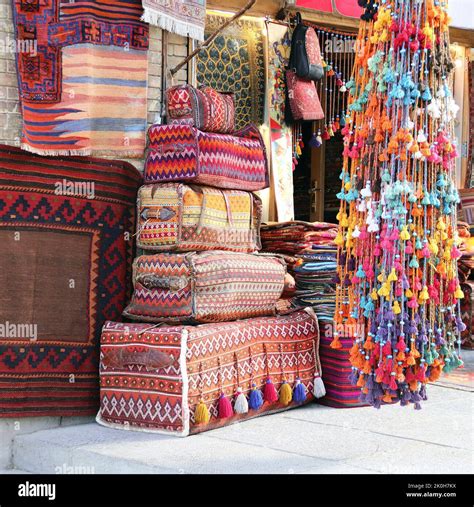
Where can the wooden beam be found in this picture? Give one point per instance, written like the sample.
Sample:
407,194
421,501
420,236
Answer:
261,8
462,36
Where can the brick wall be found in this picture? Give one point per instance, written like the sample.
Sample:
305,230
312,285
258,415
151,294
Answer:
10,118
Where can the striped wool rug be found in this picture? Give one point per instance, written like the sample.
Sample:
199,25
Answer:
82,75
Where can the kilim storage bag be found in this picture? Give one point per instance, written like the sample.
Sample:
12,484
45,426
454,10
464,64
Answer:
179,217
203,108
211,286
184,153
187,379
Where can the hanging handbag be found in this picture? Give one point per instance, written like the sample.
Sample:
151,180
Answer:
302,99
305,56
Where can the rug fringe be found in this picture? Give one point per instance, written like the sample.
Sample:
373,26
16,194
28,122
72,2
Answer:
170,24
84,152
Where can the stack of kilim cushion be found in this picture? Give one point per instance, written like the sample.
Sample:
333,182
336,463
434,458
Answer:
66,230
312,256
209,347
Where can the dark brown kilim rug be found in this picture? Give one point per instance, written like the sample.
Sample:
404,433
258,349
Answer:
66,229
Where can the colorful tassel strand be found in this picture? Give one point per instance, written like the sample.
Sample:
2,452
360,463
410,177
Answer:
401,115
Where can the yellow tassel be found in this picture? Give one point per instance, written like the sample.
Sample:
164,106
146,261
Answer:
374,295
347,185
433,247
459,294
392,277
298,150
396,308
423,296
201,415
339,239
409,293
404,234
381,277
286,393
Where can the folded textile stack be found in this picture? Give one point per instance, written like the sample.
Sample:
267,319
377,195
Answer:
296,237
311,257
199,225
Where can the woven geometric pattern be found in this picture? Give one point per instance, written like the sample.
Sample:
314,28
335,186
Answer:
203,108
159,390
174,216
235,62
184,153
205,286
83,76
66,259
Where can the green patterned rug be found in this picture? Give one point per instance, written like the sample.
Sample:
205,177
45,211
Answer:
235,62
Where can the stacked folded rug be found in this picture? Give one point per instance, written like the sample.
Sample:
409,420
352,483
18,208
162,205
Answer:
311,256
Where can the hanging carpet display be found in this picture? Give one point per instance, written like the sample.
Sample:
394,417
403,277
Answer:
83,81
183,17
281,142
66,227
235,62
398,292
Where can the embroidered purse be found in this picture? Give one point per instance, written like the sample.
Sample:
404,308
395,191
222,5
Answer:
203,108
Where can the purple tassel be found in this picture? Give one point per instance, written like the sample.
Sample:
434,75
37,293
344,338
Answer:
417,406
351,264
423,393
353,377
299,392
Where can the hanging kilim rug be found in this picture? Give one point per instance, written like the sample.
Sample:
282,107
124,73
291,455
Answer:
184,17
398,287
82,76
66,226
235,62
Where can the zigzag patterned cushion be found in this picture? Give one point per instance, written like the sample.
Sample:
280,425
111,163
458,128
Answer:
205,286
184,153
179,217
187,379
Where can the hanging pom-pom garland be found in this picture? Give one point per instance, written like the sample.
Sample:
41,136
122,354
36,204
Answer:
397,223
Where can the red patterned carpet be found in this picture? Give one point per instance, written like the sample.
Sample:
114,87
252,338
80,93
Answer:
462,378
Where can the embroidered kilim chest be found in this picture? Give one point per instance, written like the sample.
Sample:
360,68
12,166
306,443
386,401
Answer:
205,287
187,379
184,153
179,217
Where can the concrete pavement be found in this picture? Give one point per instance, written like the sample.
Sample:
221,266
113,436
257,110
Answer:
313,439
